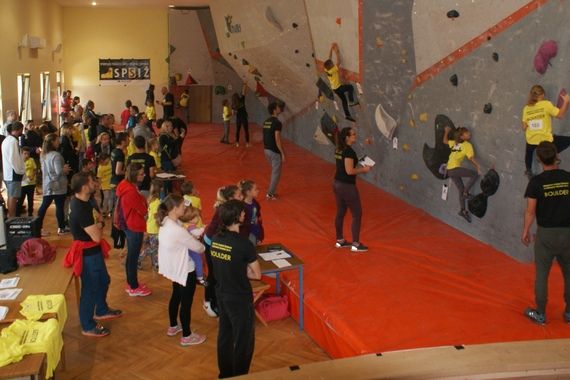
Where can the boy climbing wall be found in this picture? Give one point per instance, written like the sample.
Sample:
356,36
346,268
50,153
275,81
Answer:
340,89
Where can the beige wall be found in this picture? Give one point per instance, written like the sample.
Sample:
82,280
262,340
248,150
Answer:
93,33
41,18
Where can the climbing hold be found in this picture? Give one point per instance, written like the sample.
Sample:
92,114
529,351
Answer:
244,62
488,108
329,127
454,80
496,57
339,20
379,42
384,122
308,64
219,90
270,17
334,118
406,147
368,141
414,177
296,51
235,56
313,55
295,25
435,157
325,89
412,123
560,101
545,53
320,136
402,187
242,43
453,14
260,91
257,79
423,117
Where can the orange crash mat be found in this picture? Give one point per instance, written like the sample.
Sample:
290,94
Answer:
421,284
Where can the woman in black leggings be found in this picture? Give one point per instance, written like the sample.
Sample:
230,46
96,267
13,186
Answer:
238,105
345,190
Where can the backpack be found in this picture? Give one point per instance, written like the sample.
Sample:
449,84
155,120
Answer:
273,307
119,220
35,251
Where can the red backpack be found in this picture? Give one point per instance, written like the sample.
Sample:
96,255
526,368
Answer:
35,251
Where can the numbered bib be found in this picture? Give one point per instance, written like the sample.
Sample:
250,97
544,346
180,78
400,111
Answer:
535,125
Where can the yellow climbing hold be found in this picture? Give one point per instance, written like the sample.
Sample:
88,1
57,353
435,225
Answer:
402,187
334,118
321,99
423,117
379,42
406,147
414,177
412,123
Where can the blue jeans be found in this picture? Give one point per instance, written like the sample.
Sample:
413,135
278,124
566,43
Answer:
59,206
94,286
134,245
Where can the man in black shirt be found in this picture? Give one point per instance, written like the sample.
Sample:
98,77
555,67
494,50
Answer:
118,164
147,162
86,253
167,104
235,262
273,147
548,200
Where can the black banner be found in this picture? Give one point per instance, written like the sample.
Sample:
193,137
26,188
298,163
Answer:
124,69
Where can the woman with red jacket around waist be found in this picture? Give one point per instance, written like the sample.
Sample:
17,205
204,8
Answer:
134,208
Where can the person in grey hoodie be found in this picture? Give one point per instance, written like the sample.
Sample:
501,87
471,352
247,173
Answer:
54,186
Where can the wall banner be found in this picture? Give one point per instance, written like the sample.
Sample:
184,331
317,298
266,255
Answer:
124,69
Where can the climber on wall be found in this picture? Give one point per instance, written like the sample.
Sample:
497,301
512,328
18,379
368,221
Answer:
461,148
332,71
537,124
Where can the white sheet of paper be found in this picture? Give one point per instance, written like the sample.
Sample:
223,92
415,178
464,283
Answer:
165,175
3,312
366,161
281,263
274,255
9,282
9,294
444,190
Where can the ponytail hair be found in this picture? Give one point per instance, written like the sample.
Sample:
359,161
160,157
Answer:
245,185
225,194
168,204
535,92
341,141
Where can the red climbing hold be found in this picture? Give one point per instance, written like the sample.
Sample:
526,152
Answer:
338,20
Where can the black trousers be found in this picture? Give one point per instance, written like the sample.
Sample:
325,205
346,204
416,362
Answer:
241,120
347,198
236,335
341,92
210,291
28,193
181,303
561,142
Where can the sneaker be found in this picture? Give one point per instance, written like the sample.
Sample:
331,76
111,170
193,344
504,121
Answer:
535,316
209,309
141,291
567,317
237,145
63,231
111,314
98,332
465,215
172,331
358,247
342,244
201,281
271,197
192,340
350,118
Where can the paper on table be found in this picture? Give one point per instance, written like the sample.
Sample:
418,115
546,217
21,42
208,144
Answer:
281,263
274,255
9,294
165,175
3,312
9,282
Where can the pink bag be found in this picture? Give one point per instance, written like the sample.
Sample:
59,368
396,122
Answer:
272,307
35,251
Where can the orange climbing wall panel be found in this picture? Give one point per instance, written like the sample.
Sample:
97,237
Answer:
422,283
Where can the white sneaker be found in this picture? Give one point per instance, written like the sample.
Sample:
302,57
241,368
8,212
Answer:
208,309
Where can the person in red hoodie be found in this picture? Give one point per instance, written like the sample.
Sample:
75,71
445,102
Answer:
134,209
126,114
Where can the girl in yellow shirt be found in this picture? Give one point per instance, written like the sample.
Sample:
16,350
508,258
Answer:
150,242
226,116
537,124
104,175
461,148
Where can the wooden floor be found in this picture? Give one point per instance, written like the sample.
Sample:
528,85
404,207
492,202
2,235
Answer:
138,347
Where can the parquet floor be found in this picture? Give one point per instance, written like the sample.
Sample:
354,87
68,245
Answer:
138,347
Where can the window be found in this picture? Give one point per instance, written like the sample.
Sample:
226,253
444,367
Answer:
24,98
59,89
45,96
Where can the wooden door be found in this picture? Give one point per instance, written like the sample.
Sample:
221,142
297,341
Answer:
200,104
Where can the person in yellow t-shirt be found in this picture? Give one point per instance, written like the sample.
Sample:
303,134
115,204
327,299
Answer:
226,116
28,182
104,175
154,151
184,104
342,90
461,148
190,194
150,242
537,124
150,112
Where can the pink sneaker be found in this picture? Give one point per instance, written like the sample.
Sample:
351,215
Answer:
141,291
173,330
192,340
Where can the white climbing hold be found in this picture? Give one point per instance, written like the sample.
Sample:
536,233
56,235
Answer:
385,123
320,137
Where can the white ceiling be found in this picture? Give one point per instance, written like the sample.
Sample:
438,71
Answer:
134,3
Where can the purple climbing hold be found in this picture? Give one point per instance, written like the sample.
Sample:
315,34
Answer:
545,53
452,14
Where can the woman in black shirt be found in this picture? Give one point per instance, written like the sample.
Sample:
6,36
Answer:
345,190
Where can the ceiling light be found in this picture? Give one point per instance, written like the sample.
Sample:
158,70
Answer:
94,3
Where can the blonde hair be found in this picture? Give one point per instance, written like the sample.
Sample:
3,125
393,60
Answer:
100,137
190,214
536,92
225,194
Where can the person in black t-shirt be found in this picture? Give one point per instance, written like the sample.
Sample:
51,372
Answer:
548,200
235,262
86,253
273,147
146,161
238,105
345,190
118,158
167,104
